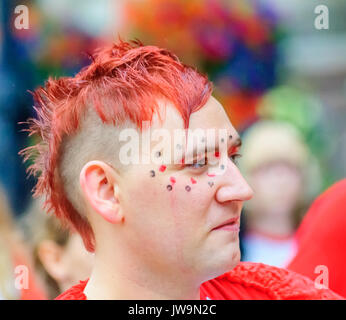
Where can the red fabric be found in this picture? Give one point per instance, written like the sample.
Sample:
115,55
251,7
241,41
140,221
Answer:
248,281
321,238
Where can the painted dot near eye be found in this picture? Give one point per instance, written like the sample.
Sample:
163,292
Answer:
188,188
210,184
169,187
233,150
217,154
193,181
162,168
222,167
152,173
230,136
158,154
222,140
172,179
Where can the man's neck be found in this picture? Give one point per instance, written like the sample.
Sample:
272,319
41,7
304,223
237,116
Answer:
109,282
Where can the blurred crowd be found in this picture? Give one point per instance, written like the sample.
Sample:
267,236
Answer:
282,83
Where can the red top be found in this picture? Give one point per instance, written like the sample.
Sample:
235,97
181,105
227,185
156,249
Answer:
248,281
321,238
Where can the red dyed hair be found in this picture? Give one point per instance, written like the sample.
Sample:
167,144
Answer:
123,82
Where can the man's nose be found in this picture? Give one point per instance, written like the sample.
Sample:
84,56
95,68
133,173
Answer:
235,187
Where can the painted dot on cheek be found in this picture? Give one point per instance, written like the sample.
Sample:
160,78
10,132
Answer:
152,173
188,188
169,187
193,181
162,168
172,179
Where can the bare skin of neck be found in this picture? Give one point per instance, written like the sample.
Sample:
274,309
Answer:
111,280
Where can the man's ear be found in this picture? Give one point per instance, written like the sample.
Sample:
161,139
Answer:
97,180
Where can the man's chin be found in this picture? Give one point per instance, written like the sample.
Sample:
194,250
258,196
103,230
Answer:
232,262
224,264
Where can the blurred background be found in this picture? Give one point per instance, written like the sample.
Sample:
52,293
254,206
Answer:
280,78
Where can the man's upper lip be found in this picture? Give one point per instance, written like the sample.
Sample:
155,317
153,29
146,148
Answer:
232,220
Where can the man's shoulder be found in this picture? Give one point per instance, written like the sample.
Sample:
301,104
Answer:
250,281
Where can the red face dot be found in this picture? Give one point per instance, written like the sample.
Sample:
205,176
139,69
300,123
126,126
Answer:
172,179
193,181
210,174
217,154
234,149
162,168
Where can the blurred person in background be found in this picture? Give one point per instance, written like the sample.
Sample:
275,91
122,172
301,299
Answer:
274,161
59,256
13,253
321,240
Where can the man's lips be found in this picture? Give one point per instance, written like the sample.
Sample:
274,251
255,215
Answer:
230,224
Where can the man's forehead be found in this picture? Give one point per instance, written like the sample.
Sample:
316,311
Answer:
209,128
210,116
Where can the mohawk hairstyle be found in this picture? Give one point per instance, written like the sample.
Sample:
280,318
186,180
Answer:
123,82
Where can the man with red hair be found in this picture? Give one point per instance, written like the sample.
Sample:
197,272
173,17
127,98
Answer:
163,228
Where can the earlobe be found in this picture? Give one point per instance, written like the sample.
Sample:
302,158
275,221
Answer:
97,180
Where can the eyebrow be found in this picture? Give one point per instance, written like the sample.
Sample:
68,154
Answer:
235,144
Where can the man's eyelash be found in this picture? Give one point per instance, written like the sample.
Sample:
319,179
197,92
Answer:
200,163
234,157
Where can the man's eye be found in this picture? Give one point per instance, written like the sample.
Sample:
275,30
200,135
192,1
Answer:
234,157
198,164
